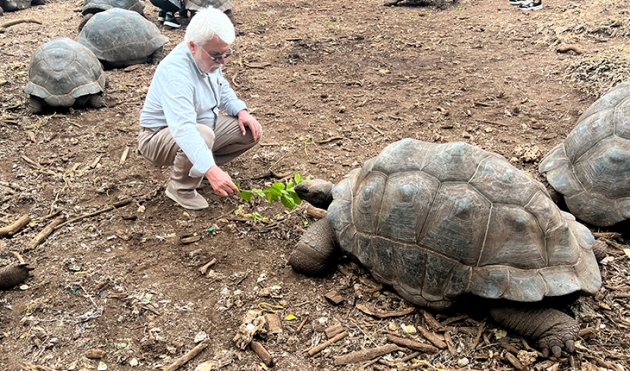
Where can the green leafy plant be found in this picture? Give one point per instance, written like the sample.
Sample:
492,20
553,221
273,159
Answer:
283,192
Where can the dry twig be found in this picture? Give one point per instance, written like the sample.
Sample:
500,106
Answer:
187,357
15,227
365,355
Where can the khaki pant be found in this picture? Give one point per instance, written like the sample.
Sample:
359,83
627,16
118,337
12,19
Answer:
226,142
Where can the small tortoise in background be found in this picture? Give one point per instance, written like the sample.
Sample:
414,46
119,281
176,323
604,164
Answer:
64,73
591,168
91,7
442,221
14,5
121,38
225,6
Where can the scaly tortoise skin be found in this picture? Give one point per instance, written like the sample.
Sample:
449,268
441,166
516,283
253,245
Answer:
64,73
440,221
120,38
591,168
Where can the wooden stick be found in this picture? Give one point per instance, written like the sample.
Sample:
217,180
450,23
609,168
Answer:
113,206
204,269
262,353
410,357
17,21
431,337
479,333
393,313
18,256
123,158
431,321
365,355
411,344
326,344
299,328
188,356
315,212
12,229
41,236
328,140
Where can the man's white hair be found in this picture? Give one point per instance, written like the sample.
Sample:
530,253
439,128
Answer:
208,23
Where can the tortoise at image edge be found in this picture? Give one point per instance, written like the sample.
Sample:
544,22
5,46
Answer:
591,168
437,221
91,7
121,38
64,73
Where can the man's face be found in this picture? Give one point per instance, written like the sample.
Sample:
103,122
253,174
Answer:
210,55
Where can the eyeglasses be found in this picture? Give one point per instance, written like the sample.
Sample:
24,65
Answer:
218,58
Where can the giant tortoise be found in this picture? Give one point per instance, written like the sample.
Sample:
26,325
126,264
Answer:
120,38
591,168
225,6
439,222
91,7
64,73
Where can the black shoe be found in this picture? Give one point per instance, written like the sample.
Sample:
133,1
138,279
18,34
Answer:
531,6
171,21
518,2
161,16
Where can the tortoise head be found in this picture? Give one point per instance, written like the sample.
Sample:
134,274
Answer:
317,192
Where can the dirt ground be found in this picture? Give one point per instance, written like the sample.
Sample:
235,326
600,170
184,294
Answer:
332,82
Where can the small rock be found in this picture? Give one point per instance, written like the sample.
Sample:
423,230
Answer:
95,353
101,366
463,362
410,329
133,362
201,336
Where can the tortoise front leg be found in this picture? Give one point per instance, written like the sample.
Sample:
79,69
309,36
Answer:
157,56
552,329
36,105
316,250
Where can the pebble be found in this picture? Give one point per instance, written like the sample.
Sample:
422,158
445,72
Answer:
201,336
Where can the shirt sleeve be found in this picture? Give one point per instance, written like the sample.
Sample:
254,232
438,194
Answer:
229,101
179,110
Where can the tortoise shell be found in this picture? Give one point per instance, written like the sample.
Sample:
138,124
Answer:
591,168
436,221
62,70
120,37
95,6
222,5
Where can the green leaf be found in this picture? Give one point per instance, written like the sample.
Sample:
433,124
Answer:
287,201
296,199
246,195
259,192
298,179
278,185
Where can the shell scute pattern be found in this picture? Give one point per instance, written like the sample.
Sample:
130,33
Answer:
63,70
439,220
591,168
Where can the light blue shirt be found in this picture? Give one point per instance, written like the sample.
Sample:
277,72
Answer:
180,97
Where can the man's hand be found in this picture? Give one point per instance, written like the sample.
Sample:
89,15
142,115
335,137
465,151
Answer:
221,182
246,119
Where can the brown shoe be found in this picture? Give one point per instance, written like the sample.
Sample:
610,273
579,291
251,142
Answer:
190,200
